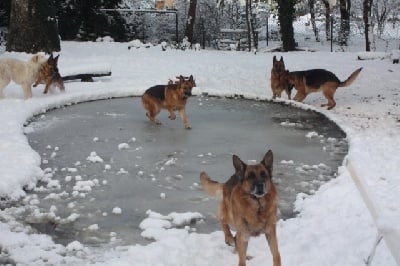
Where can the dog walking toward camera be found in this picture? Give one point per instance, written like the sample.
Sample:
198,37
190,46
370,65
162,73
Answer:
315,80
278,79
249,204
22,73
50,75
172,97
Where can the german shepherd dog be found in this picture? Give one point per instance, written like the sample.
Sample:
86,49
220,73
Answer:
315,80
172,97
49,75
278,81
249,203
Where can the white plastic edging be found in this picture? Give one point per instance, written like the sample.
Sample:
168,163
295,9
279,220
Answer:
391,237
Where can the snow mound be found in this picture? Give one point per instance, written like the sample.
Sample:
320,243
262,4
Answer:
156,224
372,55
94,158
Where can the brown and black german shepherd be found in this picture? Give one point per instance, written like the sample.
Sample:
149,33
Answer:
249,203
278,81
49,75
172,97
315,80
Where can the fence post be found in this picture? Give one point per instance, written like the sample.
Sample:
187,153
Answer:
267,28
331,32
391,237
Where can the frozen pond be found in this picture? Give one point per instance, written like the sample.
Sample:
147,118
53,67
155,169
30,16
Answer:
107,165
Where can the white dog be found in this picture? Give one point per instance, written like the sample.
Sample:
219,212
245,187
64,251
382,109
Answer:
22,73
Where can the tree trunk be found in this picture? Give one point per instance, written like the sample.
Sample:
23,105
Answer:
4,13
380,13
311,4
254,33
250,26
286,14
344,32
33,27
327,20
190,21
367,23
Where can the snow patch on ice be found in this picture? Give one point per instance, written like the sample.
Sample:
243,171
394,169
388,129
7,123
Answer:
94,158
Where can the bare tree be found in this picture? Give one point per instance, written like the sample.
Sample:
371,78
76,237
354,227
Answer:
286,16
190,21
234,17
367,4
380,10
327,19
344,31
33,27
251,38
311,5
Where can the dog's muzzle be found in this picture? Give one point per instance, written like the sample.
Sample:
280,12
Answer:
188,94
259,190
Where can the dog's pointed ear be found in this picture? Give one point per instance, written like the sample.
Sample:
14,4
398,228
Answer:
51,58
281,58
35,58
240,167
56,59
191,78
267,161
274,59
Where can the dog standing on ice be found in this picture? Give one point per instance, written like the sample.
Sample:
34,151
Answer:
249,203
22,73
172,97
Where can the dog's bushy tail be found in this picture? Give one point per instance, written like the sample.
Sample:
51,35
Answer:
211,187
350,79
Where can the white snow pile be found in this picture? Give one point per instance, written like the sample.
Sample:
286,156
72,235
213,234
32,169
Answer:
117,210
372,55
312,134
395,54
138,44
123,146
85,186
94,158
85,68
155,224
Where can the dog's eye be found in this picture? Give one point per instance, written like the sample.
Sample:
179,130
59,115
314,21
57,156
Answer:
263,174
251,175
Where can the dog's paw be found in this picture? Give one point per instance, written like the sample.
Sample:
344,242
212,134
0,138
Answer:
172,117
230,241
188,127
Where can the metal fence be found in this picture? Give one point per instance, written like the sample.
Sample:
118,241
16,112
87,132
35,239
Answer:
385,39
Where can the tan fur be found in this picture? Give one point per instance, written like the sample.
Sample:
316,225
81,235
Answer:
172,97
49,75
327,83
249,203
278,81
22,73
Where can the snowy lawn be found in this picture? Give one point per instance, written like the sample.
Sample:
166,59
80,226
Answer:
334,226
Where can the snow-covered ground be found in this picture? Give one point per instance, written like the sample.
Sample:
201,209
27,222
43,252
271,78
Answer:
334,226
